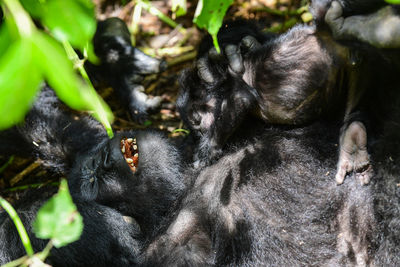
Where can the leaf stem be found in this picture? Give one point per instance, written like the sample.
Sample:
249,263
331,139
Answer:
17,262
154,11
22,19
5,165
18,224
215,42
43,255
79,65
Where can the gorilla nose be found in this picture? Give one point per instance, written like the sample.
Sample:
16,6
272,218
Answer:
107,159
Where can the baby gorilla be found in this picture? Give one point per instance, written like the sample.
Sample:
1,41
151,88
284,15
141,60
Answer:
293,79
380,29
270,201
123,67
318,8
124,187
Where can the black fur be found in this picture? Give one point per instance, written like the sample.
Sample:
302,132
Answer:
123,67
318,8
269,201
102,185
289,79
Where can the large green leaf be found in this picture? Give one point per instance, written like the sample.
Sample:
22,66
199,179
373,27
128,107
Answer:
395,2
34,7
58,219
210,14
19,81
5,39
71,20
59,73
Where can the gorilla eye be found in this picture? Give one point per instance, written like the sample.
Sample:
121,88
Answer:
130,152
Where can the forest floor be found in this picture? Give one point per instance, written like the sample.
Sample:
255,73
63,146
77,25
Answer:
177,46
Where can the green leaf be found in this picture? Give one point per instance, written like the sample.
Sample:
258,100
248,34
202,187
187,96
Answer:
70,88
19,82
210,14
394,2
34,7
71,20
58,219
59,73
179,7
90,54
5,39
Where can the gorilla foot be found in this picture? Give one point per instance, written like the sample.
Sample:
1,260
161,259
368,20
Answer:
353,154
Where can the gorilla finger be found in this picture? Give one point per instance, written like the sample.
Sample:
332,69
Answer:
249,43
214,55
334,14
204,70
235,58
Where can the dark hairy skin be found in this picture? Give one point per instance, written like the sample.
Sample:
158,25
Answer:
119,214
124,67
318,8
291,79
269,201
380,29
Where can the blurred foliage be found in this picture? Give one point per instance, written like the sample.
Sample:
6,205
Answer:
30,56
58,219
395,2
179,7
209,15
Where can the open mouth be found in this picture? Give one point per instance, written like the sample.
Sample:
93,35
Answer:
130,152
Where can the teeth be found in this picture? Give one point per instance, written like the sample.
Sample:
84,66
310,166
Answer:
135,147
136,155
123,149
134,140
129,140
129,160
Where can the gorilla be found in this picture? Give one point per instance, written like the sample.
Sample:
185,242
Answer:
289,79
123,191
269,200
380,29
123,67
318,8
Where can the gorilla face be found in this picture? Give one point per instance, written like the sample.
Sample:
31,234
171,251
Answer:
123,172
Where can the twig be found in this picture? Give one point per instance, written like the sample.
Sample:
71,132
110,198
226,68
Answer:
167,51
5,165
25,172
277,12
154,11
185,57
134,27
24,187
